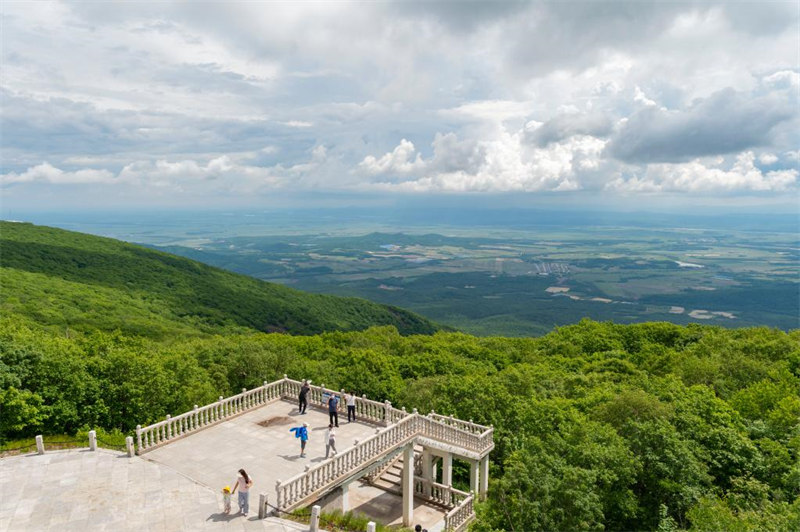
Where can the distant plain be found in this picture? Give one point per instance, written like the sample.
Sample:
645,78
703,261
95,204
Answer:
512,274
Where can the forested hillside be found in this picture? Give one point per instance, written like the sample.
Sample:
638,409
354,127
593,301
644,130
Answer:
598,425
78,281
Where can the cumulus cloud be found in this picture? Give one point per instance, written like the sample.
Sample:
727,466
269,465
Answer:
46,173
402,160
505,163
695,176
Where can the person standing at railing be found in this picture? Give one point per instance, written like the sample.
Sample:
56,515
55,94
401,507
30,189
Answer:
243,483
304,389
333,407
330,440
302,433
350,399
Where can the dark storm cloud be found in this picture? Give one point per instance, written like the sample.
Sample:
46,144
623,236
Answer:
726,122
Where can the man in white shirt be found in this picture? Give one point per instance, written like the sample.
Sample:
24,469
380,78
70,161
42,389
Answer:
350,398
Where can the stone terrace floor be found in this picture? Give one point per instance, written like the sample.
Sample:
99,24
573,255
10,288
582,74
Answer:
177,486
213,455
83,491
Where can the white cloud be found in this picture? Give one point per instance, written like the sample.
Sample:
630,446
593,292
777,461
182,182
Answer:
402,160
696,176
768,158
505,163
47,173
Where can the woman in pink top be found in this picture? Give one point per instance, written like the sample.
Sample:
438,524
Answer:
243,483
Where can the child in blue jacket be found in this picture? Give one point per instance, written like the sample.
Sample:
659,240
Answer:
302,433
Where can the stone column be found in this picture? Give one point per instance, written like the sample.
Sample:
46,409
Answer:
314,518
345,497
484,476
447,469
427,468
263,509
408,484
92,440
473,476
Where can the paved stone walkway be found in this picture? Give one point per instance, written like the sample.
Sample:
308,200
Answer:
178,486
213,456
84,491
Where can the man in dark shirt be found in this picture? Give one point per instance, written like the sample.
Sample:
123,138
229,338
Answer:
333,405
304,388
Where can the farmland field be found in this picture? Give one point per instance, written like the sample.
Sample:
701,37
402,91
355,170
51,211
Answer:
505,280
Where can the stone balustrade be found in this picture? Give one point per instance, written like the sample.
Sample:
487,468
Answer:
436,430
467,426
366,409
159,433
440,494
325,475
459,517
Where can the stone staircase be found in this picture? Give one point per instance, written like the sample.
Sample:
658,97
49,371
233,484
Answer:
390,478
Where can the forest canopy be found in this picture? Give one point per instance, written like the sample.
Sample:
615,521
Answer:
597,426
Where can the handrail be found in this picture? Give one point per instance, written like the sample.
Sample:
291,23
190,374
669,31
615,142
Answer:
366,409
200,417
456,519
161,432
438,493
322,476
468,426
325,475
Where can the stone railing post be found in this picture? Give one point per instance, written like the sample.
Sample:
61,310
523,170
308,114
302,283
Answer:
129,446
92,440
139,437
387,407
169,427
39,444
263,511
196,418
314,524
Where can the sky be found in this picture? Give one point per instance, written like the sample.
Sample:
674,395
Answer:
182,104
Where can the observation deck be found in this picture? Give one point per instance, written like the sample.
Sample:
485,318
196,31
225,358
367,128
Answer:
209,444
